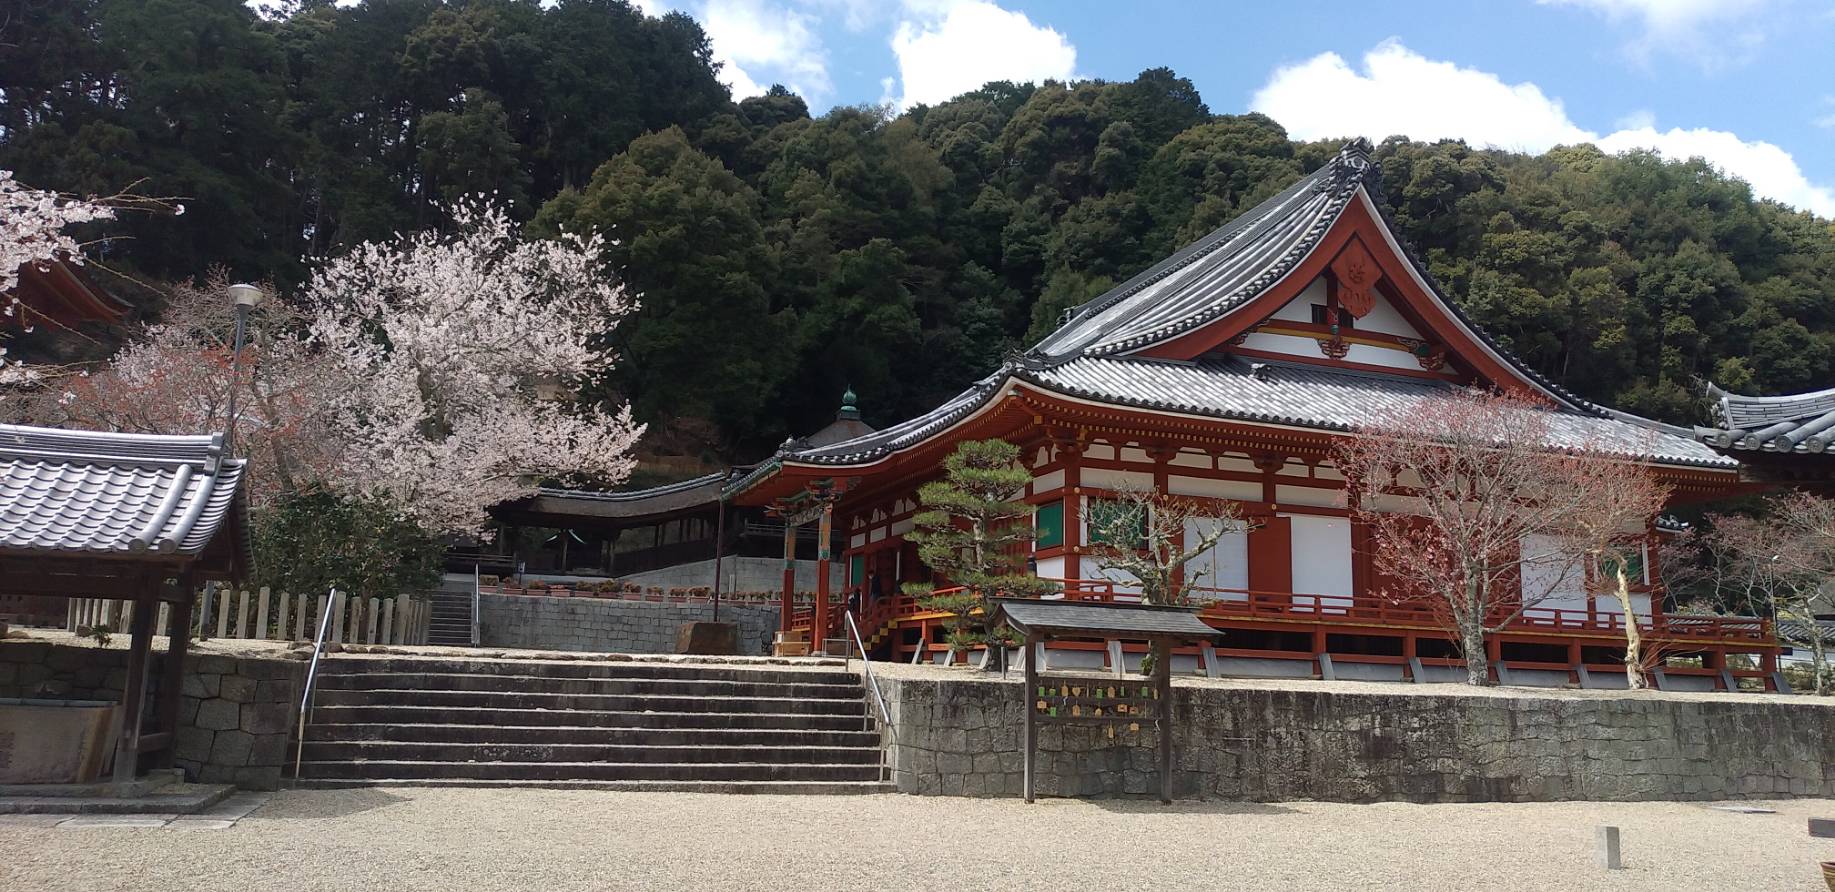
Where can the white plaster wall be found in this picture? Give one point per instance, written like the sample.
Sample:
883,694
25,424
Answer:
1241,490
1543,570
1321,560
1312,496
1048,482
1103,478
1224,565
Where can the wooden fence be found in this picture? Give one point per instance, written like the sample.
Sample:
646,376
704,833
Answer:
263,616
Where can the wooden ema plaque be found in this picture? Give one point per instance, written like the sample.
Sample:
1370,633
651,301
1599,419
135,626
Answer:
1115,703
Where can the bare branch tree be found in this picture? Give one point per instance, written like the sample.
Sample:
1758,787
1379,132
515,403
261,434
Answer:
1452,489
1785,560
1610,537
1143,535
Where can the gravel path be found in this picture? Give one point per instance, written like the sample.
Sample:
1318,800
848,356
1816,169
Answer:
453,839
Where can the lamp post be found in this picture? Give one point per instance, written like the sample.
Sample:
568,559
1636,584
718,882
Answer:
245,297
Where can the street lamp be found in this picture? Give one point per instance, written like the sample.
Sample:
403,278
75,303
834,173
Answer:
245,297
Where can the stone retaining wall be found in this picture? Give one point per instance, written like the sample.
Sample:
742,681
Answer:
610,626
959,735
235,714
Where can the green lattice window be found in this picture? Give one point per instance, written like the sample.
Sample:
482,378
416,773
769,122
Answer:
1106,513
1048,523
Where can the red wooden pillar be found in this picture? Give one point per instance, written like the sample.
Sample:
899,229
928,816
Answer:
824,531
1494,651
1072,451
789,600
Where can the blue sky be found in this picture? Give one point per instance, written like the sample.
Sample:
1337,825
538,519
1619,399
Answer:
1748,84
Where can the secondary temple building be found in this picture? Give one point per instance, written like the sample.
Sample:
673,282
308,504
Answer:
1227,371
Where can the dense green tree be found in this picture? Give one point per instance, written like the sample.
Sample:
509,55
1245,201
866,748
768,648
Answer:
783,257
704,341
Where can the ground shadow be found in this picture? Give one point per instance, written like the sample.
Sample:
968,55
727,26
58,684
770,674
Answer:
295,803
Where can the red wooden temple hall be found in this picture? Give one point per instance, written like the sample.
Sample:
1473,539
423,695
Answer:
1227,371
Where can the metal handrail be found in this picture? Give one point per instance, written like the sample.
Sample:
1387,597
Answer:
474,605
885,714
332,605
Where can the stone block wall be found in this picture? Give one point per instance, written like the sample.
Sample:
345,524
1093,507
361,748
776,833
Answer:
610,626
235,713
1310,741
742,574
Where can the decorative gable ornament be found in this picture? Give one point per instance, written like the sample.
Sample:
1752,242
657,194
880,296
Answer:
1357,275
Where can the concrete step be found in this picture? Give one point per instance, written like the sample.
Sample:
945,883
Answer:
598,702
613,771
174,799
812,788
535,684
566,734
629,754
535,717
628,668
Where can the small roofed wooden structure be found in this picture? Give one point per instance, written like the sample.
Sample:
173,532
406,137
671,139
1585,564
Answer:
1100,700
137,517
60,293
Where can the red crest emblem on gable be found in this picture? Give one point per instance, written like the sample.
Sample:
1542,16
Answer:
1357,275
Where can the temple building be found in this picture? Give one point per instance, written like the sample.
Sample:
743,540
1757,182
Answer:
668,536
1228,371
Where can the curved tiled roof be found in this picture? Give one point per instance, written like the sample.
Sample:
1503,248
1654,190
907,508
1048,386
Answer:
82,492
1218,274
1804,422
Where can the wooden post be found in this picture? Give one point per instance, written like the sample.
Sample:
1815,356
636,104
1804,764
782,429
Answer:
1162,684
172,681
388,620
133,699
375,613
281,631
824,532
789,603
1029,739
222,613
261,613
242,614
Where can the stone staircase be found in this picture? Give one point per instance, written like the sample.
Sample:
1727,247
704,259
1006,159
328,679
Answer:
600,725
450,623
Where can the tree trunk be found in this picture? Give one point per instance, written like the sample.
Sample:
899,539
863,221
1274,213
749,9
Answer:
1819,661
1634,639
1477,665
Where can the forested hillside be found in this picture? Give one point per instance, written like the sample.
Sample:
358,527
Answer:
783,257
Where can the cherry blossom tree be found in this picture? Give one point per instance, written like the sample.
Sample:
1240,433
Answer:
175,377
1452,490
455,359
32,229
1783,561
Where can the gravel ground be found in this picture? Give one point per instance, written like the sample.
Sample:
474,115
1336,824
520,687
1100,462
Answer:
451,839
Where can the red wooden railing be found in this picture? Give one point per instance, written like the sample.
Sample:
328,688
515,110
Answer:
1225,604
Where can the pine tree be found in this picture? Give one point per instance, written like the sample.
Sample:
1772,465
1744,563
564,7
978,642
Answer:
970,520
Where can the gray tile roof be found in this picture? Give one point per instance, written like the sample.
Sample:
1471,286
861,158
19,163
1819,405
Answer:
87,493
1328,398
1220,273
1798,633
1801,423
1100,620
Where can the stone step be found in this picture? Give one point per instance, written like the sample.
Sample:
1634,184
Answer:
629,754
599,702
625,668
174,799
529,717
811,788
535,684
574,771
565,734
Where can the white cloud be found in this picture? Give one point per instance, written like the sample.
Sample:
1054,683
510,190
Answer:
948,47
1826,118
1712,33
1400,92
757,40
